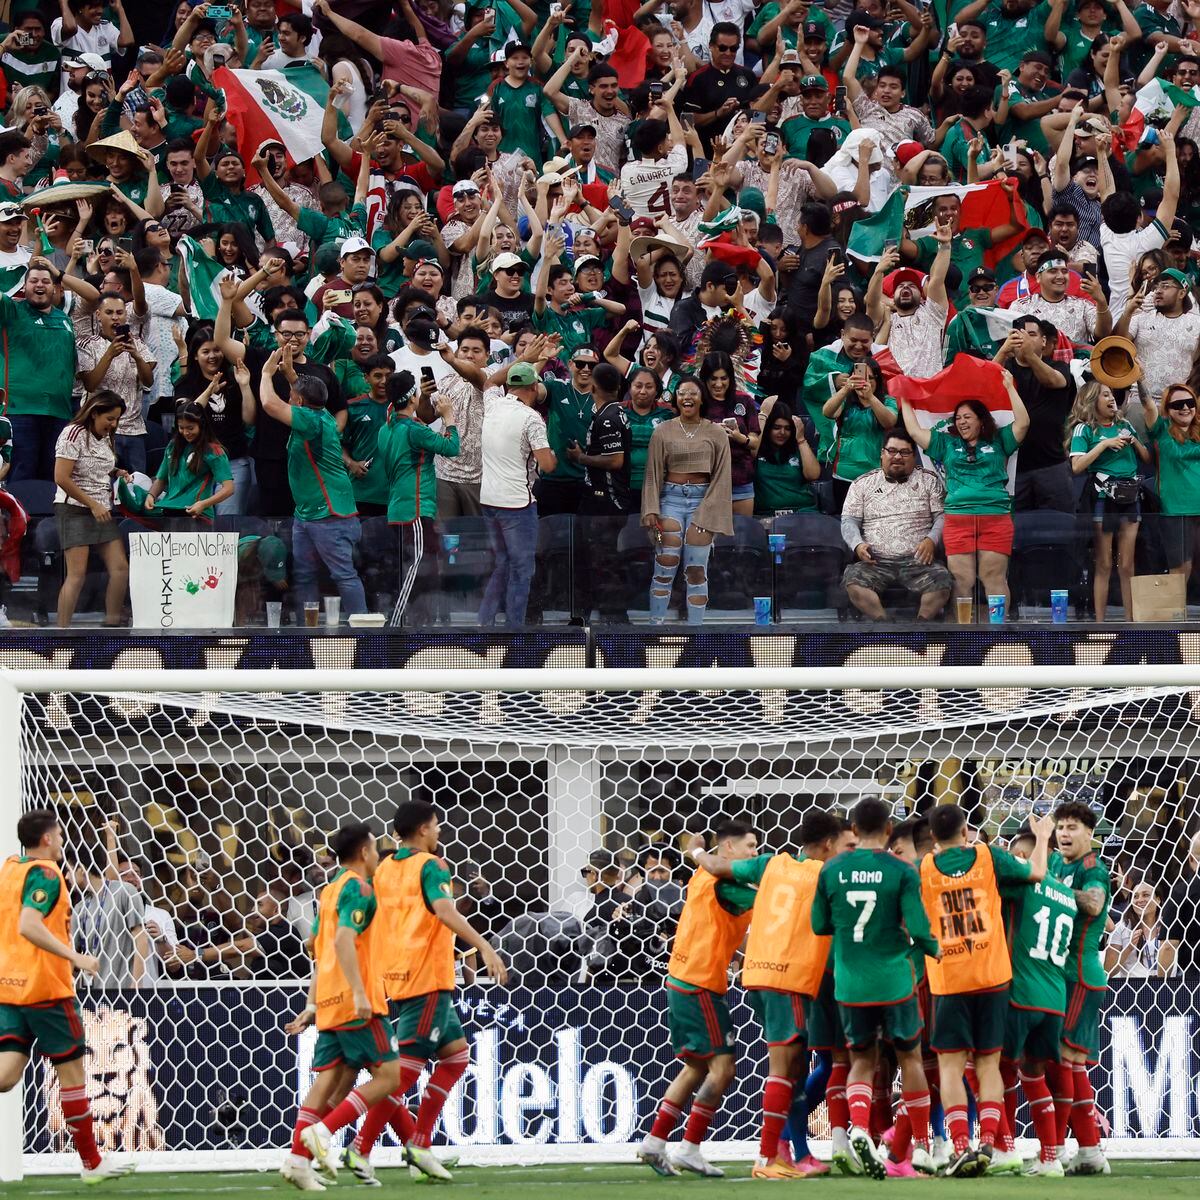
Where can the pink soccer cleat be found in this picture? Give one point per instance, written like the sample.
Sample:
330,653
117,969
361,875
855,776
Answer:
901,1170
809,1166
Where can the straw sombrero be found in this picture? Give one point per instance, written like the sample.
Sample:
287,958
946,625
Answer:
62,191
121,141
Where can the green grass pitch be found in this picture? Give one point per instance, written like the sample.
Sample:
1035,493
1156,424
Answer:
559,1182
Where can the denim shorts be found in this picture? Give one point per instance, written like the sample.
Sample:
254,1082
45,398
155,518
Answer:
679,501
743,491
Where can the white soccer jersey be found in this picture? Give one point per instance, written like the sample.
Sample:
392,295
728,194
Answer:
647,185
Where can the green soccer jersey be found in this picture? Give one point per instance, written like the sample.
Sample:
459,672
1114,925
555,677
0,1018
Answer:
41,890
749,871
365,418
641,427
1030,130
1178,471
976,476
956,150
1040,922
355,907
185,485
870,902
436,883
798,129
37,348
1009,38
240,208
521,112
859,439
575,326
1084,964
781,487
1120,464
316,472
326,230
568,418
406,449
966,253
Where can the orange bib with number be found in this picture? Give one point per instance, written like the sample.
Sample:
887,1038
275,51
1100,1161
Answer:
782,952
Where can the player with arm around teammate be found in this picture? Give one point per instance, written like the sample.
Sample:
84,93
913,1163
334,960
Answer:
870,902
784,962
715,916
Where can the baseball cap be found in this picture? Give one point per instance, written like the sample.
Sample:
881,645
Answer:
508,262
353,245
1087,163
465,187
585,354
421,248
814,83
907,151
10,211
903,275
93,62
521,375
1036,56
1178,276
1035,235
813,32
864,19
584,259
581,131
515,48
1052,258
981,275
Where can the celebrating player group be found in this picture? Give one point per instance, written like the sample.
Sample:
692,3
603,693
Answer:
884,948
878,949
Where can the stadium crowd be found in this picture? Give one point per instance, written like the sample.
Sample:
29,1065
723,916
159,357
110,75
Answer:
687,266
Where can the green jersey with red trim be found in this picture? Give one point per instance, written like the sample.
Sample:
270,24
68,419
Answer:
1040,921
1084,964
319,480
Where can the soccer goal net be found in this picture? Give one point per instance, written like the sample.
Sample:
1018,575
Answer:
198,808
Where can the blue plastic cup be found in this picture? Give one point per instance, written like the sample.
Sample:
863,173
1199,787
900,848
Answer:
995,610
1058,606
450,543
778,543
762,610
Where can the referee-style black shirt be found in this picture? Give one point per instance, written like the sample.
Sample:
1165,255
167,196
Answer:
609,433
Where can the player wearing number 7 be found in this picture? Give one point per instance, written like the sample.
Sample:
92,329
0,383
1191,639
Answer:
870,901
962,887
784,962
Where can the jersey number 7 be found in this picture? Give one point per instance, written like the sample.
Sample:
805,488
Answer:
868,900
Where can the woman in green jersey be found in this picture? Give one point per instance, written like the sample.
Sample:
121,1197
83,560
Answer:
1175,435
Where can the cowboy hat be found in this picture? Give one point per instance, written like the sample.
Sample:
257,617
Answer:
120,141
1114,362
644,243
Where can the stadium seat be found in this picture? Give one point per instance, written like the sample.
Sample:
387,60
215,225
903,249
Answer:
739,568
810,576
1048,553
36,496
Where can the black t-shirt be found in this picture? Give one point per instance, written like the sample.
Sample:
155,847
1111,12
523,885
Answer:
1181,922
283,953
1049,409
609,433
805,286
709,88
224,407
271,436
514,311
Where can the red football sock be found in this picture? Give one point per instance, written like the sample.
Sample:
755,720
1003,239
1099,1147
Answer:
1004,1134
858,1101
835,1096
445,1075
776,1101
956,1127
665,1120
1041,1111
972,1081
989,1122
77,1113
933,1078
1062,1084
699,1119
391,1110
901,1134
881,1104
1083,1111
304,1118
350,1109
916,1105
401,1119
1012,1098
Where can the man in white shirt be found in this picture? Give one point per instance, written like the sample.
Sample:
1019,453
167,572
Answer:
661,155
1083,321
514,440
82,28
919,307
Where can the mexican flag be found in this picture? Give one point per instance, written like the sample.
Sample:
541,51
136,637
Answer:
275,106
12,271
979,331
203,273
984,206
934,399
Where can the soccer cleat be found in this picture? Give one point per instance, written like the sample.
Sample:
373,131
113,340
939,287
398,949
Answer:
301,1176
359,1165
844,1161
784,1154
872,1162
809,1166
901,1170
426,1162
923,1162
315,1139
939,1150
657,1161
1089,1161
1005,1162
966,1165
107,1169
771,1169
690,1159
1047,1170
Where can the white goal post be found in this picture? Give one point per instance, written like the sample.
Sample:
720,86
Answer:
226,784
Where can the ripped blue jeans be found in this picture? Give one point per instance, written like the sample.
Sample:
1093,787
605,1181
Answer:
678,503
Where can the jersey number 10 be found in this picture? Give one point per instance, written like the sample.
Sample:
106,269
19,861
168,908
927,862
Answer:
1061,941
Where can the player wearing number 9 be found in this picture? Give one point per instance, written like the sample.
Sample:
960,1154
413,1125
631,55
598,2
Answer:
962,886
870,901
1040,923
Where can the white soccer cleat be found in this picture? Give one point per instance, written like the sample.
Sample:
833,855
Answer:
109,1168
1089,1161
923,1161
690,1159
939,1150
655,1157
1046,1170
426,1162
301,1176
1005,1162
872,1162
315,1139
359,1165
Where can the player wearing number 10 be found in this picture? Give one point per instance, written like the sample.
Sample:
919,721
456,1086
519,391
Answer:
870,902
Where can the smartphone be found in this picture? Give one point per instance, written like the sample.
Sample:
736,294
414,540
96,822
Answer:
860,370
125,243
339,297
219,12
24,39
839,100
770,144
121,330
87,246
556,10
730,422
792,249
620,206
758,118
1010,155
891,244
656,89
687,120
426,375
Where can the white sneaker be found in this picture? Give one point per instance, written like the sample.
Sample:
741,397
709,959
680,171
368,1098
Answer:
872,1162
1089,1161
1048,1170
653,1152
359,1165
1005,1162
939,1150
689,1158
315,1139
426,1162
842,1158
109,1168
301,1176
923,1161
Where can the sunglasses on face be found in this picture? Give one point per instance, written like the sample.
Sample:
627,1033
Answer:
1181,405
583,366
981,287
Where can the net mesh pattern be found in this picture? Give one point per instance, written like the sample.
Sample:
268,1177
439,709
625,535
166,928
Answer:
563,815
